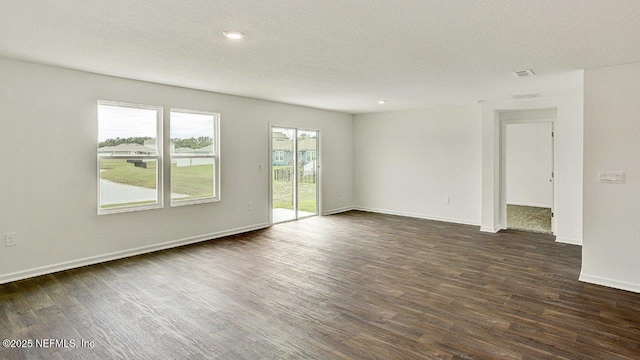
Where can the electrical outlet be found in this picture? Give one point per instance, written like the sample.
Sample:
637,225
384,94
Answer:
260,167
447,200
250,206
10,239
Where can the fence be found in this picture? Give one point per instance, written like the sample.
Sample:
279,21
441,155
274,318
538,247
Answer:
286,174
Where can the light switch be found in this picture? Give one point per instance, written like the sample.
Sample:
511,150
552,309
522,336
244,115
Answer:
611,177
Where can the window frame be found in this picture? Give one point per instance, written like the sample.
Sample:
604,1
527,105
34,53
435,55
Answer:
278,158
215,156
158,157
311,158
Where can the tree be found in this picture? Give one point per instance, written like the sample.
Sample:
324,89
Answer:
131,140
193,143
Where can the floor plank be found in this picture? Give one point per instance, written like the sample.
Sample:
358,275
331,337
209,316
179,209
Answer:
349,286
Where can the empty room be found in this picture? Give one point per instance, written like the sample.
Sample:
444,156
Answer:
336,179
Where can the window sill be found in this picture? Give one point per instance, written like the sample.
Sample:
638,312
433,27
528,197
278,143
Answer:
128,209
194,202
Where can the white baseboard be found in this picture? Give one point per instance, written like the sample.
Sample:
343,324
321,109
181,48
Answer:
338,210
419,216
566,240
25,274
622,285
492,230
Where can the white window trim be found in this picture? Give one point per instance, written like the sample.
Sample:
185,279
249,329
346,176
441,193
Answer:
158,157
215,157
310,158
278,158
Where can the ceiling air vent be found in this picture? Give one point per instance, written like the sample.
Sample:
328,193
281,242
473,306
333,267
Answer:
523,73
525,96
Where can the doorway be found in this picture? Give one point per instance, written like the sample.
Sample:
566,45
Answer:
528,175
294,173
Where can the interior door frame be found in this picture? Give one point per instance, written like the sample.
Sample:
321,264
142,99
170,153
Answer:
503,167
296,128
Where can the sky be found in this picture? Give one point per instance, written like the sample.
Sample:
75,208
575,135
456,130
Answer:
185,125
124,122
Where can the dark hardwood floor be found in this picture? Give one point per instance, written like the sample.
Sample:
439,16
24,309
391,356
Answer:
349,286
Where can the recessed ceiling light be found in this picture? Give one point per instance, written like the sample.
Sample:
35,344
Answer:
382,102
233,35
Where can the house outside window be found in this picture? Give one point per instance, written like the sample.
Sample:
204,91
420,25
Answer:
279,156
310,156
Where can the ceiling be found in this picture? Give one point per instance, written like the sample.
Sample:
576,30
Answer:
340,55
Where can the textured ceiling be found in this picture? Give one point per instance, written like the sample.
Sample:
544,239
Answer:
333,54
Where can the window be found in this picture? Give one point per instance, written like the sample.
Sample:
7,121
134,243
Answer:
311,155
129,163
279,156
195,157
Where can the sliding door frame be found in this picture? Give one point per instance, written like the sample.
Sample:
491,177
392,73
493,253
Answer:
295,129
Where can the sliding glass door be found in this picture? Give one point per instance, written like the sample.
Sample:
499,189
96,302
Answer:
283,185
294,173
307,144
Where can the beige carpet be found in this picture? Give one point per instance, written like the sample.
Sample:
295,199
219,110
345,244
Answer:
529,218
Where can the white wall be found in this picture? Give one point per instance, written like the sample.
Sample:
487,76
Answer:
48,134
567,161
529,163
611,249
406,163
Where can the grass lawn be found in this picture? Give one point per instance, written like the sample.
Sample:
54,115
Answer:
123,172
195,181
283,196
